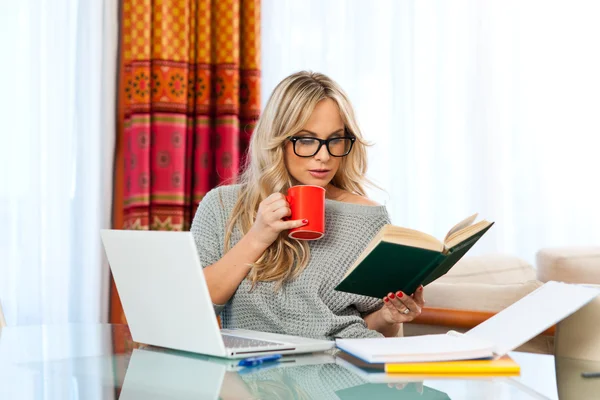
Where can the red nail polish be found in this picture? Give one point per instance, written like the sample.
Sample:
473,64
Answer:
305,221
399,294
386,299
421,287
391,296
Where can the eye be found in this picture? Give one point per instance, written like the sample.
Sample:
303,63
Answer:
306,141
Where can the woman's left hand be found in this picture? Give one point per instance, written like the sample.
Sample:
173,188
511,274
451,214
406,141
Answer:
399,307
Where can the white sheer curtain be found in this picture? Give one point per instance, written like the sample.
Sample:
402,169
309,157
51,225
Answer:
472,106
57,76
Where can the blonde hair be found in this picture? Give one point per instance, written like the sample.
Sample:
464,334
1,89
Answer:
288,109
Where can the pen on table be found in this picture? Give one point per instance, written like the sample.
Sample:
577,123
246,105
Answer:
590,374
257,368
253,361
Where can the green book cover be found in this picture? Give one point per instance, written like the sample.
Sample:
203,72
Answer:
411,390
390,267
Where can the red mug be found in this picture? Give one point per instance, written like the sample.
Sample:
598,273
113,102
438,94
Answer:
307,202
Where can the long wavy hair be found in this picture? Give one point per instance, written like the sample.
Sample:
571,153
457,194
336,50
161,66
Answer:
288,109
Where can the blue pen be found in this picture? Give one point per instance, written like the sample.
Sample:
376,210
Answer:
253,361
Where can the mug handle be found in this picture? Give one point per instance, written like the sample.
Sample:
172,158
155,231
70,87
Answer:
288,198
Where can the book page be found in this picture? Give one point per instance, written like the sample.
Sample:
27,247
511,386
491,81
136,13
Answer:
465,233
532,315
461,225
411,237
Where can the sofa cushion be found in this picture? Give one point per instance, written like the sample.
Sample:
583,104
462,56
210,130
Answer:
477,296
490,269
569,264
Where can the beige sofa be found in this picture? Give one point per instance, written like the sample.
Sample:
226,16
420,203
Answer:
478,287
483,283
474,289
576,336
569,264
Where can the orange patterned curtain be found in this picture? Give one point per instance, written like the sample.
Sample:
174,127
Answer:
190,97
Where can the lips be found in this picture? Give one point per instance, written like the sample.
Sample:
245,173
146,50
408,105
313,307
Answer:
319,173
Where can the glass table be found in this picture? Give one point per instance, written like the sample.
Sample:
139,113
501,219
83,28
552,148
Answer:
95,361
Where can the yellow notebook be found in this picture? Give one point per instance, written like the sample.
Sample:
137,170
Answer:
505,366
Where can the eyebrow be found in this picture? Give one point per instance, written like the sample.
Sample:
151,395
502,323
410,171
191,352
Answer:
315,134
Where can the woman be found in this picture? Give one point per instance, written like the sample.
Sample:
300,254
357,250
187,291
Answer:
259,278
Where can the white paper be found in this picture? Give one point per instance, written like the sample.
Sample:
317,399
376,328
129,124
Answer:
533,314
417,348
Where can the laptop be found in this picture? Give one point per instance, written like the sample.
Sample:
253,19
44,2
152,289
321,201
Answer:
166,301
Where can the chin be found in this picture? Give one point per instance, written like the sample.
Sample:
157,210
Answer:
319,183
315,181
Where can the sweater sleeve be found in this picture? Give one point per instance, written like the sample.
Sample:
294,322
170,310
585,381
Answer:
208,230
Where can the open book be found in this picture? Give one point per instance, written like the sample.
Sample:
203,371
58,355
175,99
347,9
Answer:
402,259
493,338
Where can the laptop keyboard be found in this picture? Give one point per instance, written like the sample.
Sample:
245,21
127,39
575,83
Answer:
237,342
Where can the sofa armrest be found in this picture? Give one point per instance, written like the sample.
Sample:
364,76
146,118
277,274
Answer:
454,318
569,264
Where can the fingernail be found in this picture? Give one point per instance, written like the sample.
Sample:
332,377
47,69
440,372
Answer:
391,295
420,287
386,299
399,294
305,221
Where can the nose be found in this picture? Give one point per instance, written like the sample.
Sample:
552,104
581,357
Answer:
322,155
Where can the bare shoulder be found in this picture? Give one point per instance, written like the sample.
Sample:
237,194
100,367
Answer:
365,201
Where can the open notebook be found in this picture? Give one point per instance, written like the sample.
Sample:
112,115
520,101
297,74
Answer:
493,338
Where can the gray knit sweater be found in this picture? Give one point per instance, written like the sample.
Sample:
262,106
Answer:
307,306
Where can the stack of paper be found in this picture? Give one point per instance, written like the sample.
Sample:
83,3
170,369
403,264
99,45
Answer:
491,340
424,348
409,372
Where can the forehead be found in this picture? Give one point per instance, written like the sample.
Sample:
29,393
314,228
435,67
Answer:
325,118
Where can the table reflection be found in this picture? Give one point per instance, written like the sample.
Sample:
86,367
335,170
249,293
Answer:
161,374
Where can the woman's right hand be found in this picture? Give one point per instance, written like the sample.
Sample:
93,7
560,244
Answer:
270,221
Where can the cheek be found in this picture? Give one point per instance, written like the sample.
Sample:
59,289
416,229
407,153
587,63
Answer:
292,162
337,162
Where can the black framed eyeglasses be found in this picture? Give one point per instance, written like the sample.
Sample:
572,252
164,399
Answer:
305,146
